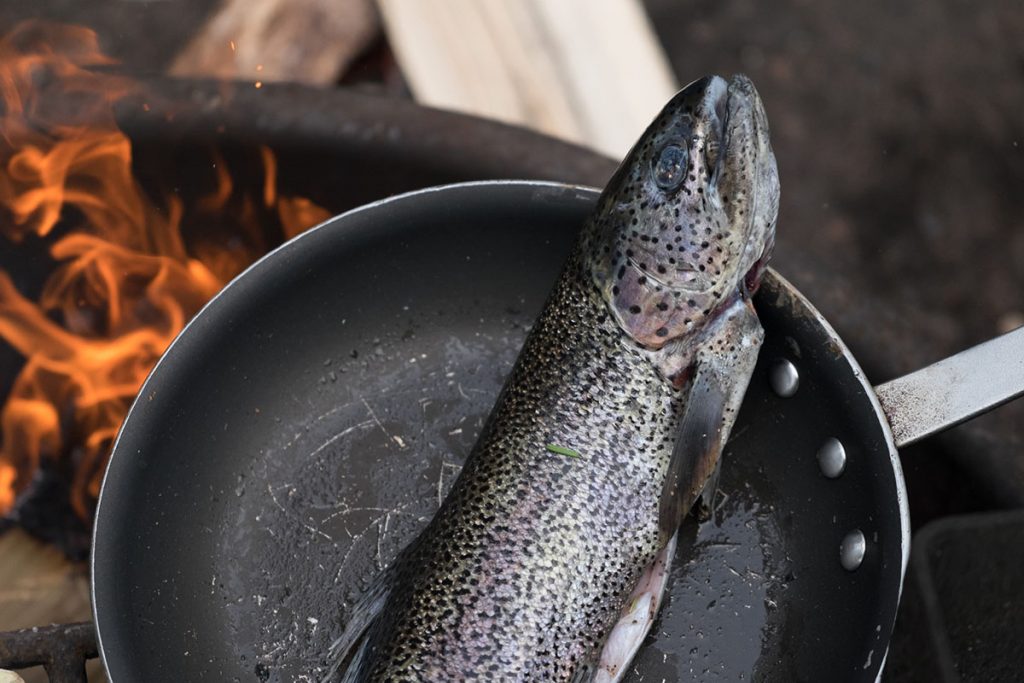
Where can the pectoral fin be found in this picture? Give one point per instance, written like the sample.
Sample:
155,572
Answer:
706,504
720,376
696,453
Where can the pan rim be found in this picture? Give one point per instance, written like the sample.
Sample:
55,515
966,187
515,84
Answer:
582,191
890,441
902,502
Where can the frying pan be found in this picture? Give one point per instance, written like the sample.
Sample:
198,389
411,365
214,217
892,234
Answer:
308,421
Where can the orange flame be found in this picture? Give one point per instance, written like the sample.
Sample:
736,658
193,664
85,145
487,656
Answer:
126,280
296,213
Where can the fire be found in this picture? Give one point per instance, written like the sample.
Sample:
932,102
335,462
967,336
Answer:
296,213
126,278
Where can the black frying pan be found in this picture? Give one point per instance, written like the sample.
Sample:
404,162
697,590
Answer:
306,423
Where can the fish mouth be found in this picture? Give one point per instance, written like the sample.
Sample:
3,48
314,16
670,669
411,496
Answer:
737,101
741,93
745,150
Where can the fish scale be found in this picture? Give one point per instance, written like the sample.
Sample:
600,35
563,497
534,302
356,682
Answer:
607,430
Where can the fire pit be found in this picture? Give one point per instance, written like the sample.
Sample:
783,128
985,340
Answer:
234,170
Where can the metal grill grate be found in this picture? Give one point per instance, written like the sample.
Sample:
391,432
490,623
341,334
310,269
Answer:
61,649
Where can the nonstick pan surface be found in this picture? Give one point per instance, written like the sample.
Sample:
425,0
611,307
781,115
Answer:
307,422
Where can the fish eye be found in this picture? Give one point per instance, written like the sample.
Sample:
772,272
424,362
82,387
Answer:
670,167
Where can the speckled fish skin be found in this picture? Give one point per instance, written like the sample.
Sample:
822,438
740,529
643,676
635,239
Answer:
526,566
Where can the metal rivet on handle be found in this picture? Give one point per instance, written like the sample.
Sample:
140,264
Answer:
784,378
851,550
832,458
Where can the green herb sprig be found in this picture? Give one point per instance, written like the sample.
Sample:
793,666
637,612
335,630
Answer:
562,450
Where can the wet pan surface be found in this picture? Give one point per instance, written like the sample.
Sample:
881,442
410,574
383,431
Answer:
306,424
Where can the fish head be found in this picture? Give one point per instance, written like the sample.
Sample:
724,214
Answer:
688,220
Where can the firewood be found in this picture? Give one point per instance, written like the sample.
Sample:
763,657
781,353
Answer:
590,71
305,41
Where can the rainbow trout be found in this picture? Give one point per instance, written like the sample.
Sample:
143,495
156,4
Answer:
548,559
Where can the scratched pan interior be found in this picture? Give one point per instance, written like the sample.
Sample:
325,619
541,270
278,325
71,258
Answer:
305,425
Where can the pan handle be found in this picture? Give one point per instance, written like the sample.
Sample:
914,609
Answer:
953,390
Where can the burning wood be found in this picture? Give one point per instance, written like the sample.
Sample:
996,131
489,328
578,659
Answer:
126,276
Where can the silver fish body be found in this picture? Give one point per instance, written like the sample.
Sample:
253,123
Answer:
608,428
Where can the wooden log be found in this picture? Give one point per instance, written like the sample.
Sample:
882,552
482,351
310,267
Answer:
590,71
306,41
